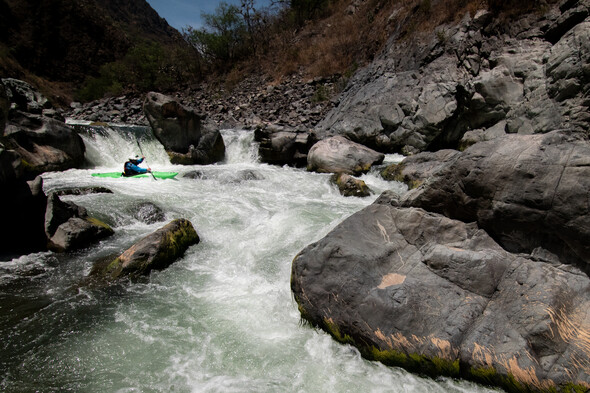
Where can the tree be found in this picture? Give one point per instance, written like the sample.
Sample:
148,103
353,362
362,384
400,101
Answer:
223,39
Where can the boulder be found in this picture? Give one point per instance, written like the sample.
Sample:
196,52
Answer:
59,212
284,146
22,208
415,170
526,191
338,154
68,226
78,233
438,296
180,130
44,144
158,250
349,186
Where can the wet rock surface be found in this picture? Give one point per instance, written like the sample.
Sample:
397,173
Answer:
158,250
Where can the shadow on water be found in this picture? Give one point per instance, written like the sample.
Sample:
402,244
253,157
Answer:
44,305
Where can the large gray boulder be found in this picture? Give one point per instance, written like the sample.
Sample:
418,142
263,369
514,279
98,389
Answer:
157,250
440,297
338,154
181,132
526,191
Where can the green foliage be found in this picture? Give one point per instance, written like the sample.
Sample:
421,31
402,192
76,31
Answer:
224,39
145,67
321,94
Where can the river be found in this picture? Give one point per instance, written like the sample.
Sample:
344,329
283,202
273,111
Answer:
220,319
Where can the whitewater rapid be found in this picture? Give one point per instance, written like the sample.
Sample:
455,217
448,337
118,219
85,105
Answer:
220,319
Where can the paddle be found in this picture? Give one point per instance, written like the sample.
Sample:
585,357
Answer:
143,155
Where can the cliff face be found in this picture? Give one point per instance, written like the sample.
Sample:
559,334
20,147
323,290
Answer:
483,77
67,40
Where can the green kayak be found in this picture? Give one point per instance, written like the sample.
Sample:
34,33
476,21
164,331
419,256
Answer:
158,175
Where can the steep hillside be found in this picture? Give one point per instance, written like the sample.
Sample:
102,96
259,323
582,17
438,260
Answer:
68,40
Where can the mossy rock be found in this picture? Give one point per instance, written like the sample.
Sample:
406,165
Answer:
395,172
157,251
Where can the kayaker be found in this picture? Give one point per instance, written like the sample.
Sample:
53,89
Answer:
131,167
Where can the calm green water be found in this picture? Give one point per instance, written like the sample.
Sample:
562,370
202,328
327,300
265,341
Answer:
220,319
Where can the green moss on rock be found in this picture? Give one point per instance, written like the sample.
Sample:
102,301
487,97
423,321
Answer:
155,251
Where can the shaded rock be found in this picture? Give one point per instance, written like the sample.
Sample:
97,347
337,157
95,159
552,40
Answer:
338,154
437,296
211,149
82,191
148,213
349,186
11,166
194,175
283,146
22,208
526,191
78,233
59,212
4,105
24,97
155,251
415,170
44,144
68,227
180,130
568,20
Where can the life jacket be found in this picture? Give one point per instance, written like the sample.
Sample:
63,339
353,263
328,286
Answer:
128,169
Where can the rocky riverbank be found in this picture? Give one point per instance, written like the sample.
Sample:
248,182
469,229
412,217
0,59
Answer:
256,101
480,271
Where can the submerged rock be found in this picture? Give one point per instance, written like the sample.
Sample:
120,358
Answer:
82,190
349,186
158,250
440,297
148,213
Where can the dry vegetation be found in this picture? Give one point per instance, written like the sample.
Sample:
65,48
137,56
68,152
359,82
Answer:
345,40
348,36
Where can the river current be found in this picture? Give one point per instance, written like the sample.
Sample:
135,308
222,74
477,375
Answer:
220,319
